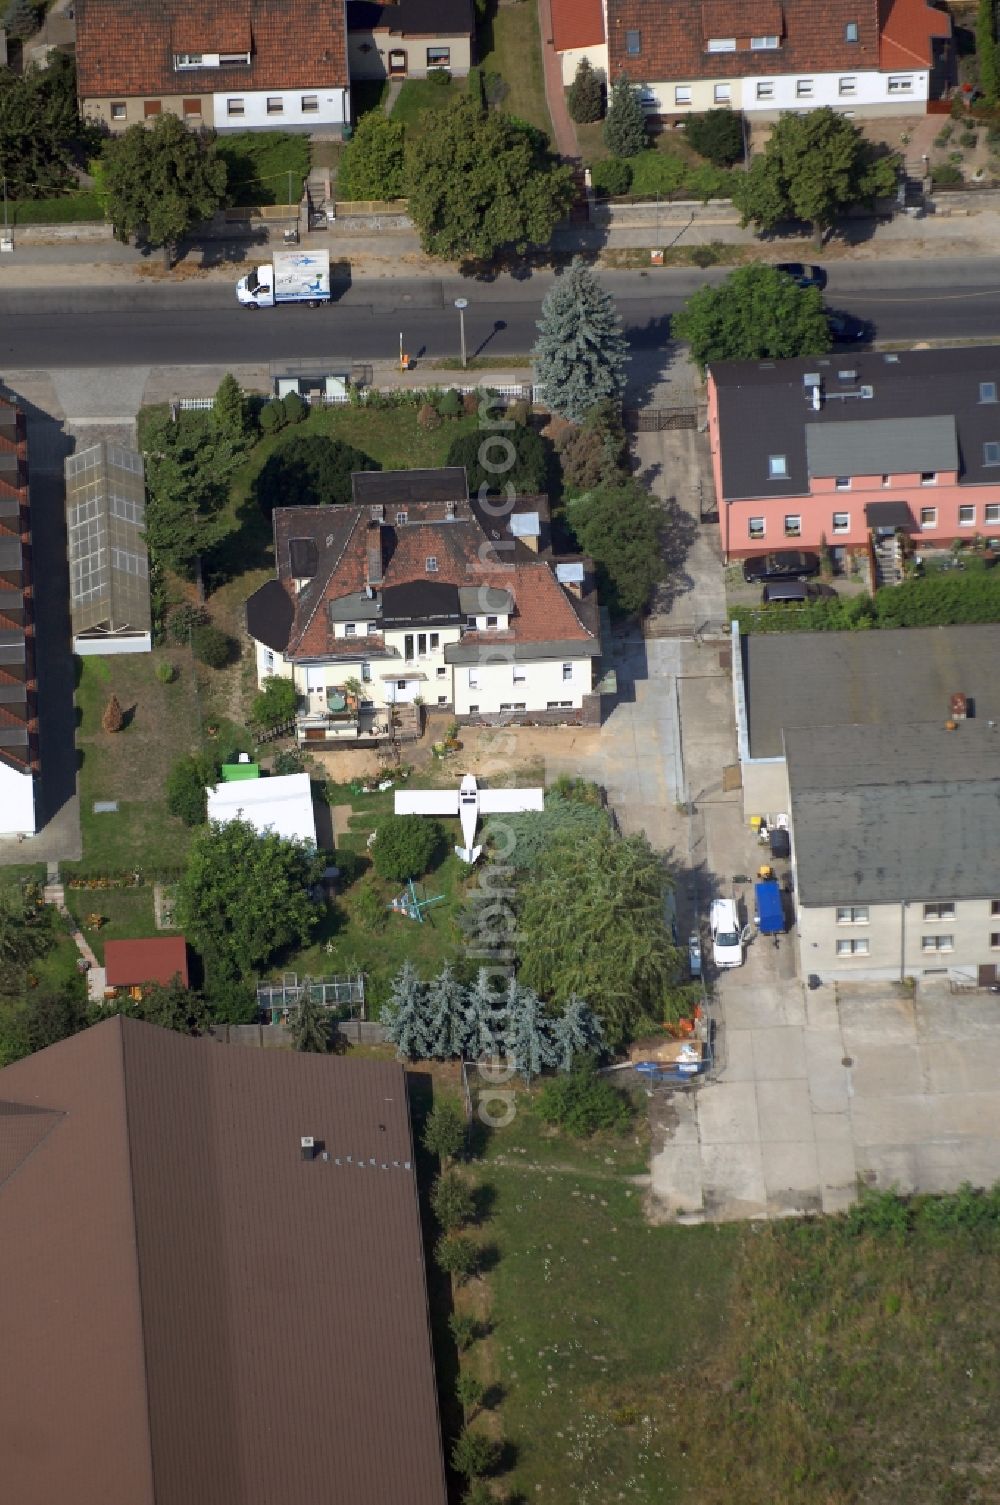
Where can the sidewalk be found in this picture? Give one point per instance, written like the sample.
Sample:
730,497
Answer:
555,97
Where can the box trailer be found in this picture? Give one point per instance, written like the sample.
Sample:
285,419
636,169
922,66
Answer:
290,277
770,913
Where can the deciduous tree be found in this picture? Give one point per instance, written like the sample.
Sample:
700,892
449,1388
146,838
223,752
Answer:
480,181
188,468
40,130
444,1131
717,135
372,163
757,313
581,353
162,181
309,470
245,897
515,456
405,846
457,1255
619,525
186,787
986,51
625,124
452,1201
813,167
276,703
474,1454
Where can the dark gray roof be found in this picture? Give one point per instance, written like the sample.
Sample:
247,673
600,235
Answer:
876,445
765,409
416,17
394,488
882,814
269,615
432,601
879,678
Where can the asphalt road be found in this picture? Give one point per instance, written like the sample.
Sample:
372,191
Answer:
201,323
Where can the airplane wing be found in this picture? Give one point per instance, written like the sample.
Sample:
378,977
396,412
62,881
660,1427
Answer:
510,801
426,801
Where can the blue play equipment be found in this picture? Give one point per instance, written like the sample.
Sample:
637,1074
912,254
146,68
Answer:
412,907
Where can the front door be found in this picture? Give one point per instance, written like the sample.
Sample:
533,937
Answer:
397,63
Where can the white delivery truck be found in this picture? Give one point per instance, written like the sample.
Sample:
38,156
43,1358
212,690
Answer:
292,277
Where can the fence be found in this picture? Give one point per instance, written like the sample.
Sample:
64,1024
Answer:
656,420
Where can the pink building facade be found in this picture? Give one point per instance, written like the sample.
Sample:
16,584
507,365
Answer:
846,450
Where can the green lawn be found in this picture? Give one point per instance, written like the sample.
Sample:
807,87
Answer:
263,165
420,99
509,45
127,914
162,723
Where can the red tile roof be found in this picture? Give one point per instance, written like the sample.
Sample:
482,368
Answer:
909,29
158,959
577,23
127,47
673,36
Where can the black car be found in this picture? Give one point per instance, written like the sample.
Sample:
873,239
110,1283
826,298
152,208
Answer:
804,276
788,564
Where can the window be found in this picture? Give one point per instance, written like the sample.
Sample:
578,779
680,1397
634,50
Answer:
401,684
633,43
900,85
987,391
803,88
928,517
567,705
887,480
234,107
937,943
435,641
514,705
648,98
764,44
755,527
431,564
492,621
269,661
992,513
118,109
366,673
442,700
473,710
995,940
309,104
841,522
275,104
723,94
151,107
721,44
442,671
777,466
408,646
567,671
765,90
350,629
233,59
852,914
928,478
857,946
682,94
842,483
851,31
943,910
473,679
439,57
847,86
192,108
966,516
991,453
519,675
187,59
995,909
793,525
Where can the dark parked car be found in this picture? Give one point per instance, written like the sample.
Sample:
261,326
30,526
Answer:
805,276
788,564
845,329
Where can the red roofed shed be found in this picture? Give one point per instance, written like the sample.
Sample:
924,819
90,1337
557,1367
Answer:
160,959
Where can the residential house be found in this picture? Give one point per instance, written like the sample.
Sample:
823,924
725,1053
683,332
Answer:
895,834
280,805
579,30
415,596
108,562
18,710
133,965
408,38
224,64
214,1280
859,57
857,449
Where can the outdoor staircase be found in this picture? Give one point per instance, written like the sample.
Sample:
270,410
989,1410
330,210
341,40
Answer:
888,561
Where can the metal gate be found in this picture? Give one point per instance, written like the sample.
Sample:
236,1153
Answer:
656,420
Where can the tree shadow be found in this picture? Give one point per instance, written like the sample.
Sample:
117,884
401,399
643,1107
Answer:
679,532
484,1200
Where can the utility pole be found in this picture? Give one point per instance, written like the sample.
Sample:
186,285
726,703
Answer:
462,304
6,240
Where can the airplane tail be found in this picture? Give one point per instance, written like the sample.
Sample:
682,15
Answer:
468,854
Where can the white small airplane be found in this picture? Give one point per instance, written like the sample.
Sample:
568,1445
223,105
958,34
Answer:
468,802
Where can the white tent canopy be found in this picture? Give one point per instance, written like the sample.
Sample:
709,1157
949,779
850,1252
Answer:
282,805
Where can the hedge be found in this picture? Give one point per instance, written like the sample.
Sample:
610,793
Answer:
64,210
942,600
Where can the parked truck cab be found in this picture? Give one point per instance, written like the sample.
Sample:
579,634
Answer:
291,277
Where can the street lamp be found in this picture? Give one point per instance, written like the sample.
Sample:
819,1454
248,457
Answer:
462,304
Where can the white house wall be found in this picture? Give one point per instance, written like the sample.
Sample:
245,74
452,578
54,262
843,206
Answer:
489,687
334,109
871,95
17,802
895,934
597,56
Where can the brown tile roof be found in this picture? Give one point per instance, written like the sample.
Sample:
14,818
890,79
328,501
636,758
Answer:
127,46
158,959
673,34
909,29
577,23
190,1310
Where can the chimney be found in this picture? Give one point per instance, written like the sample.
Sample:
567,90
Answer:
958,707
308,1146
374,568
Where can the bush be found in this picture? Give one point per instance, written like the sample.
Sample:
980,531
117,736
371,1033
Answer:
289,760
583,1103
185,789
475,1454
452,1201
457,1255
530,460
372,165
272,417
464,1329
429,418
406,846
474,84
450,403
294,407
212,646
276,704
183,619
439,76
165,672
309,470
969,138
444,1131
612,176
717,135
945,174
656,172
585,96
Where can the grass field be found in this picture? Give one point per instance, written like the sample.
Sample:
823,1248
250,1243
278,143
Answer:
262,166
798,1362
509,45
421,99
127,914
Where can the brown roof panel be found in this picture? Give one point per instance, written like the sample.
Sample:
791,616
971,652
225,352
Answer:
156,959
